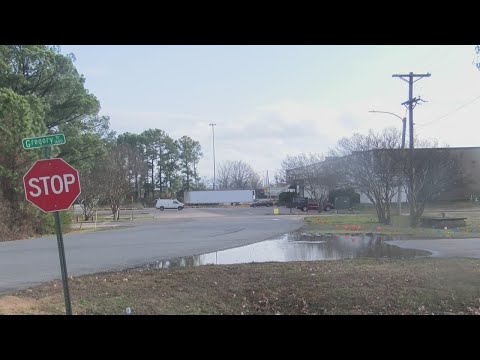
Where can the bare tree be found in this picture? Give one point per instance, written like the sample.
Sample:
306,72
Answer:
224,175
241,175
435,171
372,164
314,172
237,175
92,191
116,170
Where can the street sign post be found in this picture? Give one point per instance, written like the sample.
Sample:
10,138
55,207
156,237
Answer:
52,185
43,141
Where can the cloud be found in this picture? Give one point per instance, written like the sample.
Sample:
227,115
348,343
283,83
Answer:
264,135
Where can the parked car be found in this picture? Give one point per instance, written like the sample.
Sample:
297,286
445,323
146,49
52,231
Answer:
312,205
257,203
163,204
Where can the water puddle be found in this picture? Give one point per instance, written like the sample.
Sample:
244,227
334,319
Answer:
299,247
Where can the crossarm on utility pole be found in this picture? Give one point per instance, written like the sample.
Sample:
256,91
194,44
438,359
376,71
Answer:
415,75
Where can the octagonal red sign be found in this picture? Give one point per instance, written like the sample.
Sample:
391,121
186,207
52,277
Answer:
51,185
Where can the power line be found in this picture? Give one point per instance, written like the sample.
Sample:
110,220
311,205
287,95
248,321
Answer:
450,113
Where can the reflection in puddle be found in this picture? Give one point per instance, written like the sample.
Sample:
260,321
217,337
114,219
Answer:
298,247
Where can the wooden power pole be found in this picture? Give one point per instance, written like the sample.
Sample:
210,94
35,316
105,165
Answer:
411,184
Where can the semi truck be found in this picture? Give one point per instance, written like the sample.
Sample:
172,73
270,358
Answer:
232,197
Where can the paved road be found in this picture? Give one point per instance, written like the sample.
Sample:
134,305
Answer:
170,234
444,247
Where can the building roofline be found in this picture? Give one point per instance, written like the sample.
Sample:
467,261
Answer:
332,159
453,148
430,148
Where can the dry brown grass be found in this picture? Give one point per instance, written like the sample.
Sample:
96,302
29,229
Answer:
360,286
14,305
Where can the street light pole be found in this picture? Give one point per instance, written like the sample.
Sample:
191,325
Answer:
213,133
404,129
268,186
266,182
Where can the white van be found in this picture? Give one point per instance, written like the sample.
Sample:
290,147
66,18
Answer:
163,204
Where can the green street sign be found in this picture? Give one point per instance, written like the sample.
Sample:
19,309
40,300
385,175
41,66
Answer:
43,141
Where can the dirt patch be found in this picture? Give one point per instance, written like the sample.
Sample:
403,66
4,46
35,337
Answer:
359,286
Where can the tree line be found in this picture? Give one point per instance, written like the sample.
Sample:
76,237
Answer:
141,166
42,92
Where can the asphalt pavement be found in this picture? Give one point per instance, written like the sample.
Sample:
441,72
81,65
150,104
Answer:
167,235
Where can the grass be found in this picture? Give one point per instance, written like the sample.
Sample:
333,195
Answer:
362,286
361,224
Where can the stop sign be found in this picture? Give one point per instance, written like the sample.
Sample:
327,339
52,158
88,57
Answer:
51,185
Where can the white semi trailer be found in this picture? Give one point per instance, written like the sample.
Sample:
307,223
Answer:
218,197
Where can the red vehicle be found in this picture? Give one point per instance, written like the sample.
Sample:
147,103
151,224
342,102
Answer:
312,205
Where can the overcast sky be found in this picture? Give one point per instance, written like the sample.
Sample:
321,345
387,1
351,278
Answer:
269,101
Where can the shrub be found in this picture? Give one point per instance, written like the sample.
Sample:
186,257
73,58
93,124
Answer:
15,222
46,223
23,221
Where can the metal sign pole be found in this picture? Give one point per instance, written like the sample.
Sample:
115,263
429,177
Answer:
63,263
61,251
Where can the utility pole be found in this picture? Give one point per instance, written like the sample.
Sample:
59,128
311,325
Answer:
411,100
213,133
399,196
